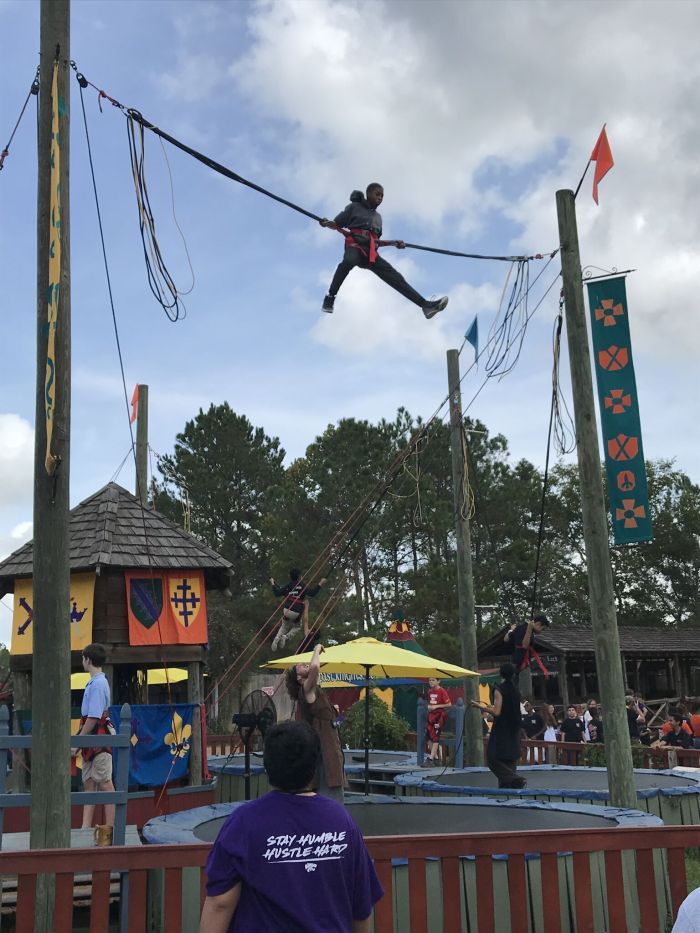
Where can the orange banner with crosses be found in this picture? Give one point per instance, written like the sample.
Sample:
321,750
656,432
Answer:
166,608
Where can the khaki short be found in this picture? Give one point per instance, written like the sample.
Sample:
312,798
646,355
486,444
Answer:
99,769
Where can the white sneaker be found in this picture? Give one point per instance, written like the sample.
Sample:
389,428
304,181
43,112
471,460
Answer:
431,308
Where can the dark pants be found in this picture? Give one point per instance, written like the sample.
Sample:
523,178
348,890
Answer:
506,772
386,272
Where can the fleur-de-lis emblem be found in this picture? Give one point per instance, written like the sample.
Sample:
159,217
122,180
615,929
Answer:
179,738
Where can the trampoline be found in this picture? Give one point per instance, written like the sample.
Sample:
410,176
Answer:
377,815
229,771
674,796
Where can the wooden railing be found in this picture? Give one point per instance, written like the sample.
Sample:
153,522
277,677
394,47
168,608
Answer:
135,862
221,744
535,752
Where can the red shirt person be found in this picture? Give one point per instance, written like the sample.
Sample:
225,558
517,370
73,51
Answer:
438,704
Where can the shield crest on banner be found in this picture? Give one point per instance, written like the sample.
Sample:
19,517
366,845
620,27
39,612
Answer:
185,597
146,599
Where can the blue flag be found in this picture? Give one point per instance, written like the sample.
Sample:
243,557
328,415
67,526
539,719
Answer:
472,336
160,743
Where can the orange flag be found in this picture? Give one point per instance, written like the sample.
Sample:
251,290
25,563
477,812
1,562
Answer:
602,156
135,401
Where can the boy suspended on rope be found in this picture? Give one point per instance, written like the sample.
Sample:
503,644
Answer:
364,225
296,605
522,641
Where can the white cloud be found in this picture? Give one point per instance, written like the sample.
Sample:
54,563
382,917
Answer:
16,459
22,532
425,96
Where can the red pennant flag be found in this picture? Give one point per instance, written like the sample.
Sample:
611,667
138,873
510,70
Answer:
134,404
602,156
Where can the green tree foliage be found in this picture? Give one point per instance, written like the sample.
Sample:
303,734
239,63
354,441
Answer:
228,467
400,548
386,730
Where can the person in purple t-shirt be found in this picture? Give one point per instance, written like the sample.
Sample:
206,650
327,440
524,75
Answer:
292,861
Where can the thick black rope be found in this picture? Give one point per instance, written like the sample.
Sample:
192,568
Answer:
234,176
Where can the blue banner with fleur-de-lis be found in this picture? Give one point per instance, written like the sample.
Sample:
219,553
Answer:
619,411
161,736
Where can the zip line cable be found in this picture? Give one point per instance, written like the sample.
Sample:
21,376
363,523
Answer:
564,439
33,91
128,414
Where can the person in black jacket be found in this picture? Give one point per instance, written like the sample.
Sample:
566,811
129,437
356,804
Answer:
503,749
364,224
295,605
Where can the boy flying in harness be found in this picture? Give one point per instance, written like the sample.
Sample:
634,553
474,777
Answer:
364,223
522,640
295,605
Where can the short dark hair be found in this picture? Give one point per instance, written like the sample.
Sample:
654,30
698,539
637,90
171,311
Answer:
507,671
372,185
291,754
675,714
542,619
294,574
96,654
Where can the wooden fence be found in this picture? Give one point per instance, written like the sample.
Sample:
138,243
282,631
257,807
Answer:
588,753
182,891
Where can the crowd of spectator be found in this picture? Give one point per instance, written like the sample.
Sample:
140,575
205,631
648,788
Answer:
580,723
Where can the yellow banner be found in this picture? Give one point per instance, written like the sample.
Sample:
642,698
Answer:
78,613
54,273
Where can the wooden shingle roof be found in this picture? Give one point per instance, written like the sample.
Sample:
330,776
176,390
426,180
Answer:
111,529
578,640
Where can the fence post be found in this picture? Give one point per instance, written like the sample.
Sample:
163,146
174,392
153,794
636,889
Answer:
421,719
460,726
4,733
122,782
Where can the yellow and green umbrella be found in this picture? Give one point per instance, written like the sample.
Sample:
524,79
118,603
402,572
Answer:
373,658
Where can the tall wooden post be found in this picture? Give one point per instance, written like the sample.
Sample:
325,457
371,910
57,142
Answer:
142,447
473,741
618,750
194,695
50,811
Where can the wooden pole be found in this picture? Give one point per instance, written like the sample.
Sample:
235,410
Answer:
618,750
50,811
473,740
194,695
142,447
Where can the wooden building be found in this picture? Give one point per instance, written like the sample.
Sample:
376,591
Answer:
112,537
658,662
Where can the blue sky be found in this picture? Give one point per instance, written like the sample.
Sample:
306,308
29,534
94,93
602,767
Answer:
471,118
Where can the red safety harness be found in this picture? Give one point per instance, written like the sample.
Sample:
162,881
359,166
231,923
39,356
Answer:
350,240
531,653
104,726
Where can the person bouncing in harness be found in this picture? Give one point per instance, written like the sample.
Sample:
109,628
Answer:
438,704
522,639
364,225
295,605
